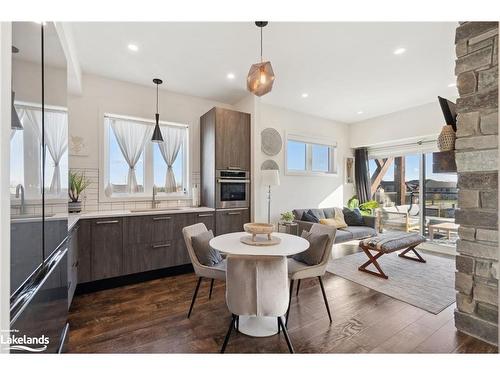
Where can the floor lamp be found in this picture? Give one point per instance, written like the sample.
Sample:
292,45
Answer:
270,178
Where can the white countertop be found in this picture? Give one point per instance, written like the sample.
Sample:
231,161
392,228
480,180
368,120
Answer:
73,218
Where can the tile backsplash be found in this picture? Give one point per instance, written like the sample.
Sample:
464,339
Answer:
90,196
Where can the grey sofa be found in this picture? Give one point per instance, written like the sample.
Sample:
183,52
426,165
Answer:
352,232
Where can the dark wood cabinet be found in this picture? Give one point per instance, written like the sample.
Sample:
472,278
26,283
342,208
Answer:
84,239
225,144
107,248
117,246
232,140
228,221
72,263
148,229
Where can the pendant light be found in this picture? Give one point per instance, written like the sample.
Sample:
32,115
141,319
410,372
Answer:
157,137
260,78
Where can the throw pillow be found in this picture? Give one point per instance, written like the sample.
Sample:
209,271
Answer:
329,212
353,217
337,222
309,216
317,247
205,254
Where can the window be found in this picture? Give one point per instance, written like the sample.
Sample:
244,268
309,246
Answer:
310,157
26,143
134,164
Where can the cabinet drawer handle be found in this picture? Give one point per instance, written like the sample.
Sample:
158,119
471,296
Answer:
233,167
162,218
107,222
160,245
234,213
205,215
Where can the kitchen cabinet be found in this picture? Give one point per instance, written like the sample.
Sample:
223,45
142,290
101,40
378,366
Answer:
232,140
84,240
107,248
118,246
228,221
224,145
72,263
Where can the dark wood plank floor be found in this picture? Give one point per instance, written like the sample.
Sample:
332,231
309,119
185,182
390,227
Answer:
150,317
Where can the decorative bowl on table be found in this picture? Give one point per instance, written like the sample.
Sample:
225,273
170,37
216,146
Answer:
256,229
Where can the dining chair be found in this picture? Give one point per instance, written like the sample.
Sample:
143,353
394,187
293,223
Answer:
217,272
299,271
257,286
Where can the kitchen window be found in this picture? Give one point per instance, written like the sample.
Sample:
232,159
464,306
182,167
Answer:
133,164
306,156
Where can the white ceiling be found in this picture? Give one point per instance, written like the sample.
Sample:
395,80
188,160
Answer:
344,67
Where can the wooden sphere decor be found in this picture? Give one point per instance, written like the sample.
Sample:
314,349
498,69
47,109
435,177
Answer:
446,139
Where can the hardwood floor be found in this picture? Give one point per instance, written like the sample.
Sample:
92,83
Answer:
150,317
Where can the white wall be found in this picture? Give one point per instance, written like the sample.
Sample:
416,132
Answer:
101,95
5,110
423,122
298,191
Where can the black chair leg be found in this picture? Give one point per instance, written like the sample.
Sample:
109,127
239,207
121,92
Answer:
194,296
289,303
298,287
237,323
285,332
324,297
233,320
279,327
211,288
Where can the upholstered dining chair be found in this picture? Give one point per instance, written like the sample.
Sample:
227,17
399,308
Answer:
299,271
217,272
257,286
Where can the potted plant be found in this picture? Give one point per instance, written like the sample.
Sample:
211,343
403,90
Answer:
287,217
366,208
77,184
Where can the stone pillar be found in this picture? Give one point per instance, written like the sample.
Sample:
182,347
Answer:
476,282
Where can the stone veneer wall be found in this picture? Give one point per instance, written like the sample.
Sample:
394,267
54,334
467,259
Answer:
476,146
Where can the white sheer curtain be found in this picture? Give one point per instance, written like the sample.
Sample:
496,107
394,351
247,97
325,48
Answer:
56,140
173,139
131,137
34,117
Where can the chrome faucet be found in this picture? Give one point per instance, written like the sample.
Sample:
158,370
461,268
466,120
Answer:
20,189
154,202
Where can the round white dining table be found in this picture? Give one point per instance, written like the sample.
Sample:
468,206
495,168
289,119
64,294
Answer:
259,326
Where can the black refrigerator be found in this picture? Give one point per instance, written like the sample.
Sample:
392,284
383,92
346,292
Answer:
38,183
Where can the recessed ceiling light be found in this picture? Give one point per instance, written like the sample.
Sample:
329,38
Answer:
399,51
452,84
359,112
230,76
133,47
305,95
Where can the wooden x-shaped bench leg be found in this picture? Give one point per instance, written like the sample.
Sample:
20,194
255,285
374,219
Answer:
372,260
418,256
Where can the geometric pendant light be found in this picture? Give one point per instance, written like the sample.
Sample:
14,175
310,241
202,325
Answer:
260,78
157,137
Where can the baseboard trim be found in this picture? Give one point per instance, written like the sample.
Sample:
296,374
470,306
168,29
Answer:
115,282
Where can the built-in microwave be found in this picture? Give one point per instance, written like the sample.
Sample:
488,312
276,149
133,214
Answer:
232,189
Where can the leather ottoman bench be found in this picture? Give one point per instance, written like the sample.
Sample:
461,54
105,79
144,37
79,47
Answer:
388,243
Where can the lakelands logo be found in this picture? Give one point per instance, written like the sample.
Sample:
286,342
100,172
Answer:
25,343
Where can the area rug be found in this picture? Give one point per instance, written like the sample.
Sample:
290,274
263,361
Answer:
429,286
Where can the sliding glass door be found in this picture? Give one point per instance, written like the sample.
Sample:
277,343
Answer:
412,197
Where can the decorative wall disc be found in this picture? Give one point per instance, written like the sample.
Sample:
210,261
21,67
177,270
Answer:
269,165
271,142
